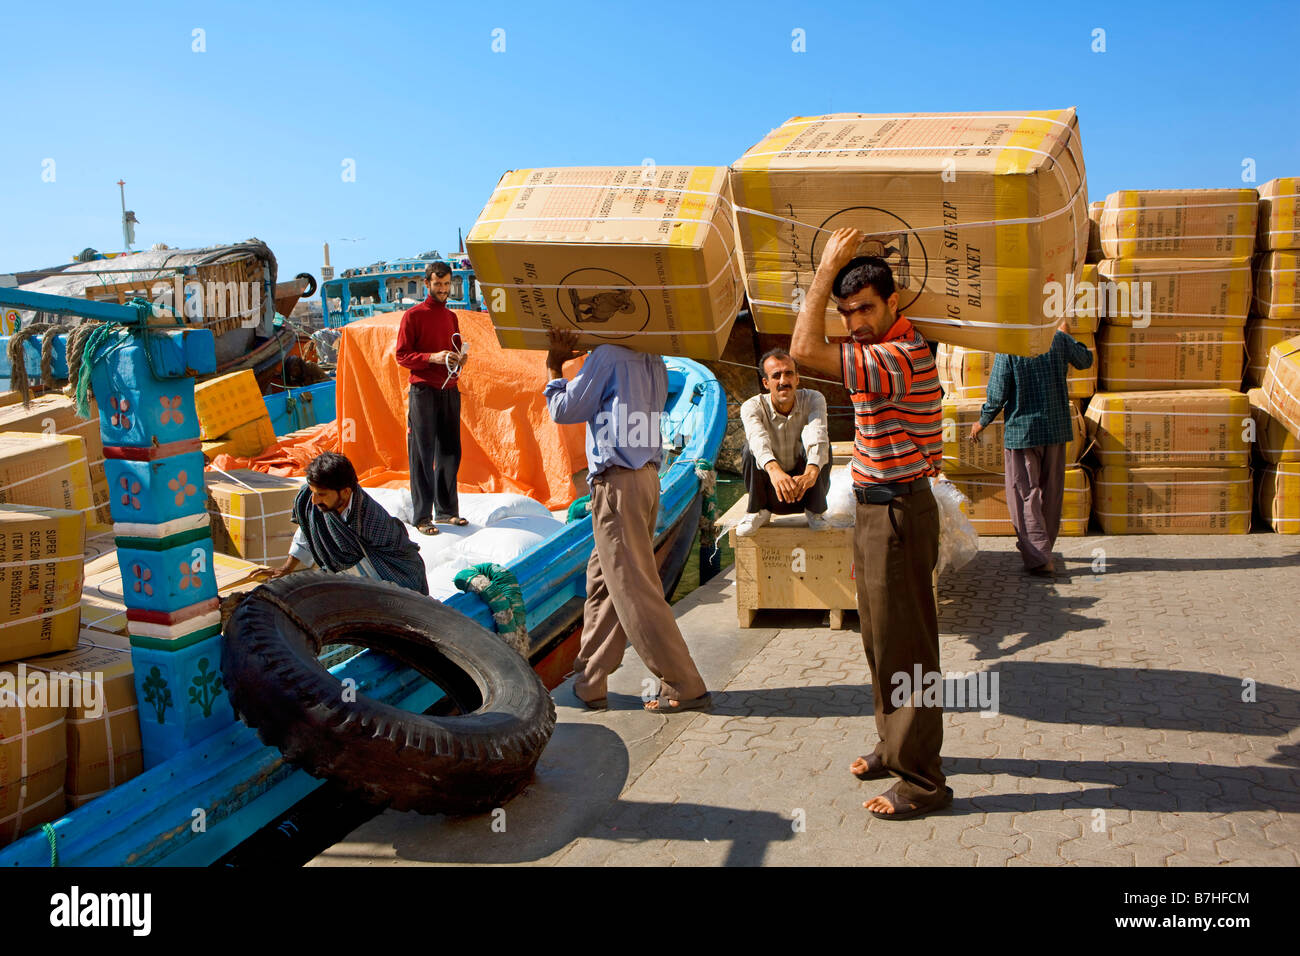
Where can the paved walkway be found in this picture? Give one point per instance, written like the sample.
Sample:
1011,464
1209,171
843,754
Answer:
1122,735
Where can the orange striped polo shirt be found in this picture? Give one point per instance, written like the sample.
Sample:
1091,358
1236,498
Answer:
897,406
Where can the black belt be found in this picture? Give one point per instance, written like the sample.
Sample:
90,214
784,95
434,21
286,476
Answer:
880,493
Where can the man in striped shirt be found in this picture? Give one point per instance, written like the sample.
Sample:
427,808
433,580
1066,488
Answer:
893,382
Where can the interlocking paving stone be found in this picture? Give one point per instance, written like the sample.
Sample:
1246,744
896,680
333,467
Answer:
1122,736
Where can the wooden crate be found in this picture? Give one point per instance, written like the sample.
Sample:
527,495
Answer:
785,565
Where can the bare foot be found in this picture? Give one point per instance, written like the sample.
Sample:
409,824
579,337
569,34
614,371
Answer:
879,804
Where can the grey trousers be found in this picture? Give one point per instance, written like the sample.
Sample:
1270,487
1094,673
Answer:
1035,480
625,597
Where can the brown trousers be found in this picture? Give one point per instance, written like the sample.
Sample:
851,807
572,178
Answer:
625,597
1035,480
895,550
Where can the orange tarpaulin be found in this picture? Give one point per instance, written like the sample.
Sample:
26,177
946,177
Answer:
508,441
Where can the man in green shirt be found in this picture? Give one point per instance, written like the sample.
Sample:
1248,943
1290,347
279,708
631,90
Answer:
1033,393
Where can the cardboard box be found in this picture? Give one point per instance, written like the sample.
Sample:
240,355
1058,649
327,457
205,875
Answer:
1261,336
254,515
33,753
226,402
1094,231
1169,358
1084,310
1279,214
1183,427
990,516
40,580
642,257
1179,223
1184,293
1162,499
103,609
48,471
1273,443
978,214
103,726
9,398
1277,291
1281,384
1278,496
245,441
984,457
57,414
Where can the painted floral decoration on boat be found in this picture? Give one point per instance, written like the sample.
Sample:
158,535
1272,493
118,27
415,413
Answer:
157,692
207,687
142,577
129,491
120,418
171,410
182,488
189,579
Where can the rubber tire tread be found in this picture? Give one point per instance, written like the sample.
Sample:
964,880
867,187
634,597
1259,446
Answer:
460,764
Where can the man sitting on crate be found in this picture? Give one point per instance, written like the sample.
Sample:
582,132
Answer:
787,456
343,529
893,382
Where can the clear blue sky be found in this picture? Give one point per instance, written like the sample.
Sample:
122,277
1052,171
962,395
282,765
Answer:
249,137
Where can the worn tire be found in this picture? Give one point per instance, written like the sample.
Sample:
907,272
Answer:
465,763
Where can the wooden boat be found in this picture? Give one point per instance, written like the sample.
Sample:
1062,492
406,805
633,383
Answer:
240,785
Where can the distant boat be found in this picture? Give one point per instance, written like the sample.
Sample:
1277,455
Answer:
393,286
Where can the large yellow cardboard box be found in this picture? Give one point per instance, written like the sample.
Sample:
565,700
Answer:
48,471
245,441
1084,307
1179,223
988,496
1279,214
642,257
1261,336
978,215
984,457
1278,496
968,371
1185,293
1281,383
9,398
1168,358
1161,499
40,580
1209,426
103,723
1273,443
57,414
254,515
33,753
1095,253
226,402
1277,291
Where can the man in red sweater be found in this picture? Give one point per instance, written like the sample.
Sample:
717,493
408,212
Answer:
429,345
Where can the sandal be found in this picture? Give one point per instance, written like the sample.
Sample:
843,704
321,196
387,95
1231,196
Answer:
457,521
426,527
906,809
665,705
875,768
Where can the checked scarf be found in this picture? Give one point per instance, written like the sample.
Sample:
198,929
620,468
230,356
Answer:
370,532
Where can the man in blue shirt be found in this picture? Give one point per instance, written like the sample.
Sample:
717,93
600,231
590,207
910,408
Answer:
620,395
1037,429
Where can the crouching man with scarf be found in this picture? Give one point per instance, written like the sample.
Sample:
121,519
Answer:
342,529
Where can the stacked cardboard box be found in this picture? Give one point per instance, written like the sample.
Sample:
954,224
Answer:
33,753
48,471
57,415
978,215
40,579
1178,287
643,257
1275,311
1277,468
991,516
1172,462
253,515
1095,253
964,373
1281,385
233,418
102,719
